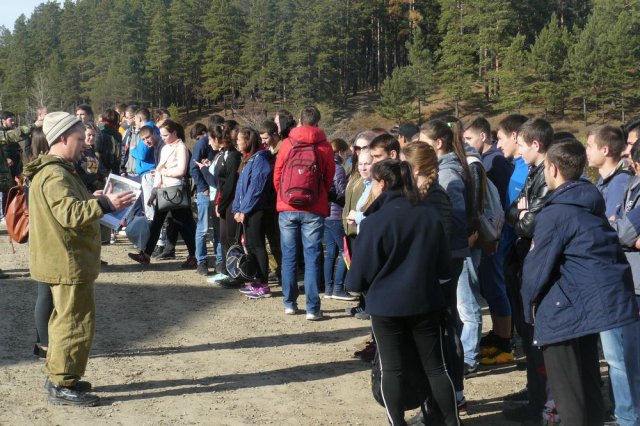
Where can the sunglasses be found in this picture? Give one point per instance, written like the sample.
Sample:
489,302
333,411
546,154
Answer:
357,148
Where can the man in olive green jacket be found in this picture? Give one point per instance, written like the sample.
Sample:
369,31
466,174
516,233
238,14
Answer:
64,251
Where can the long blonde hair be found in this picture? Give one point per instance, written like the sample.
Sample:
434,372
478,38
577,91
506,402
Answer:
424,161
370,199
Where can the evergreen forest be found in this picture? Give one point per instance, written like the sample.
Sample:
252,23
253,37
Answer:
555,55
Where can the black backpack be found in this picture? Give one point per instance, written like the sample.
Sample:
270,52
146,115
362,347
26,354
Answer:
415,385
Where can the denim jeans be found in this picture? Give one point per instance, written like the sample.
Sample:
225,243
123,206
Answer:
613,349
202,228
469,309
293,226
333,252
631,346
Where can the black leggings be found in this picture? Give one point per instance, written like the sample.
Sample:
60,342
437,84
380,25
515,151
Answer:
228,227
390,334
42,313
255,226
186,225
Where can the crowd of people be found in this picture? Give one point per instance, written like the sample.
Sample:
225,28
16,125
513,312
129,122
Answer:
417,224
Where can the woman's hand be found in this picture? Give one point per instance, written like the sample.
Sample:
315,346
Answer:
203,163
351,217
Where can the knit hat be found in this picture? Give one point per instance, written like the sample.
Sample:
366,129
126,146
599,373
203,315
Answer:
56,123
408,130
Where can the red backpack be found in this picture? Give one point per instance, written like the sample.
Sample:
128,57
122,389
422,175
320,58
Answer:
301,177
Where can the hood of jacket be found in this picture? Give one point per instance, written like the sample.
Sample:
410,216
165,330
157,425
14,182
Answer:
450,161
471,153
308,134
35,166
578,193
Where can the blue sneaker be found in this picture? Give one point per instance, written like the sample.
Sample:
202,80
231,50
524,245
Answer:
217,277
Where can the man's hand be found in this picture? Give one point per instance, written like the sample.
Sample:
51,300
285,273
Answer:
217,212
9,162
239,217
522,204
120,200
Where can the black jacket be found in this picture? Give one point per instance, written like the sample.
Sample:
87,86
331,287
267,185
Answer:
226,175
400,258
535,191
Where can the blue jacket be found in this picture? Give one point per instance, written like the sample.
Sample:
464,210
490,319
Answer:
575,280
627,225
254,190
144,156
201,150
450,174
498,169
612,189
400,258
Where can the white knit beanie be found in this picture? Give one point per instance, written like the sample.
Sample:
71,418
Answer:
56,123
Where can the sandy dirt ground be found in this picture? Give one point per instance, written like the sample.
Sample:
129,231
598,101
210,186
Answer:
172,349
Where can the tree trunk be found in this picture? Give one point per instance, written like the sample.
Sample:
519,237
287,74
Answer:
584,110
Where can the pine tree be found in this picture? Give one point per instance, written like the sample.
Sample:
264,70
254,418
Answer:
397,94
159,58
514,76
547,58
221,72
456,63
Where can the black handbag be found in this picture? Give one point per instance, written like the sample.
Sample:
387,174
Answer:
173,197
240,263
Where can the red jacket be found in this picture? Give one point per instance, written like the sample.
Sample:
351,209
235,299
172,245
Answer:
327,165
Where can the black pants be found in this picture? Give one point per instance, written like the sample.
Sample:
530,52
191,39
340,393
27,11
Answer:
255,230
390,334
228,226
453,350
42,313
536,373
574,377
185,224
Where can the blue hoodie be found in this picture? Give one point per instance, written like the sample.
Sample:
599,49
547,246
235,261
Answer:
254,190
145,157
450,174
575,280
613,187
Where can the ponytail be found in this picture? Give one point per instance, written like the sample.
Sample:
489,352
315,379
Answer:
449,130
397,175
424,162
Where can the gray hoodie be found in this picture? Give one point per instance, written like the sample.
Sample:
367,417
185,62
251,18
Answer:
450,177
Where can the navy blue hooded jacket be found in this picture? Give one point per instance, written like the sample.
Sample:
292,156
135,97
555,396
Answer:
254,190
201,150
576,280
400,258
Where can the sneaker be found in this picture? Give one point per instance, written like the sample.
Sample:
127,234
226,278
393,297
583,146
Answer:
166,255
190,263
343,295
3,275
519,397
157,251
63,395
353,311
498,358
462,406
470,371
228,283
362,315
290,311
218,277
326,296
140,257
314,316
260,292
550,416
80,386
249,288
273,277
202,269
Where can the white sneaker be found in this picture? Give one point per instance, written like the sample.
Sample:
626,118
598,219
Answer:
290,311
314,317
